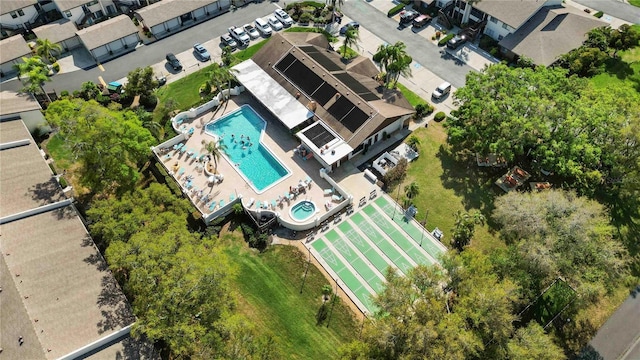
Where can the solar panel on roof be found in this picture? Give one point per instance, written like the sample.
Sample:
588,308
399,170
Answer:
355,119
283,64
341,107
324,94
321,58
348,114
319,135
356,86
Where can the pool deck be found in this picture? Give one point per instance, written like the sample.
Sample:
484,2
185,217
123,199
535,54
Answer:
276,138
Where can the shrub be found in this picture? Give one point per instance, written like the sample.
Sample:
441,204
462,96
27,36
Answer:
422,110
53,169
406,2
305,18
56,67
444,40
438,34
599,14
395,175
64,93
439,116
396,9
63,182
76,93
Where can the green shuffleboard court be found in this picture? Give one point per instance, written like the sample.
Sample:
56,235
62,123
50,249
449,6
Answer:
356,262
381,242
346,276
413,230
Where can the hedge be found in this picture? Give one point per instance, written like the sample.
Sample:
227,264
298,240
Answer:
444,40
439,116
599,14
63,183
396,9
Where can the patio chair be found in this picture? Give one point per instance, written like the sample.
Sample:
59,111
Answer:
273,204
222,203
167,157
328,192
183,149
212,205
191,131
337,198
232,197
258,204
179,121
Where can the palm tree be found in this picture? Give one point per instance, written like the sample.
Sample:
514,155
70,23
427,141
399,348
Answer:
413,142
214,149
46,49
383,57
33,74
333,3
351,38
400,62
149,123
464,227
412,190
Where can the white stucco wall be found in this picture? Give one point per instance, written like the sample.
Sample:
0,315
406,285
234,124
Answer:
29,14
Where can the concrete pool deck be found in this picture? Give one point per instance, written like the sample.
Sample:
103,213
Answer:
276,138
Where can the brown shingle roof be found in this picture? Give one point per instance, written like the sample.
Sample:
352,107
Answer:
162,11
14,103
107,31
510,12
13,48
381,111
57,31
553,31
13,5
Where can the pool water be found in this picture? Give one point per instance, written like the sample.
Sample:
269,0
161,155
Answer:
302,210
252,159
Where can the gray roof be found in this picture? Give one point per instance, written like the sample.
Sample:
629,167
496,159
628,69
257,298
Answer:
387,108
13,48
553,31
60,294
64,5
510,12
13,5
14,103
57,31
107,31
162,11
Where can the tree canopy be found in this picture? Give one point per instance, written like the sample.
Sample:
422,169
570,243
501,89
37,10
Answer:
554,234
141,81
558,123
110,144
461,311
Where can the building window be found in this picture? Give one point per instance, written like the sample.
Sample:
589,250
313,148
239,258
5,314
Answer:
13,14
67,13
505,26
500,37
489,32
20,12
493,20
92,3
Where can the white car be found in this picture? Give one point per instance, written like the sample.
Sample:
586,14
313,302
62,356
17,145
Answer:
284,18
239,35
275,23
251,31
263,27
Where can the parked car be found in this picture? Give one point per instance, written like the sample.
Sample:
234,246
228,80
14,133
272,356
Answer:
353,24
227,40
263,27
456,41
239,35
421,21
441,91
251,31
173,62
275,24
284,18
201,52
407,16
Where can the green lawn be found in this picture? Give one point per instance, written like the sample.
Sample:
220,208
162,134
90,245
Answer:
60,153
447,185
269,286
635,2
623,71
413,98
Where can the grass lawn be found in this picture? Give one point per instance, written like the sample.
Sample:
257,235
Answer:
269,286
624,71
635,2
447,185
60,153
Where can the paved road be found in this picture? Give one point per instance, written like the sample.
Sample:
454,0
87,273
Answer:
615,8
424,52
146,55
619,337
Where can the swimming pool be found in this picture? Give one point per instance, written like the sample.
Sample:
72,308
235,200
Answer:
302,210
241,134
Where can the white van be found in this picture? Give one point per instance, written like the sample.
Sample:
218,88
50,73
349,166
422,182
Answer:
263,27
442,90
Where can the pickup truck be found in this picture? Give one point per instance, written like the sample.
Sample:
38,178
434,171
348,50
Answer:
239,35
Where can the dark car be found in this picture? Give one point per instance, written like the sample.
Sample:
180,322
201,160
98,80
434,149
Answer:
456,42
407,16
174,62
353,24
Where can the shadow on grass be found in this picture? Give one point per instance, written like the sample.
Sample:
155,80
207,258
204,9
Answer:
618,68
473,184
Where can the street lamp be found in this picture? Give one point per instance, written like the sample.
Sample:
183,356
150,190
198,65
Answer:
424,226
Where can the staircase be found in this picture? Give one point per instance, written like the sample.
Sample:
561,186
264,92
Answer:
443,18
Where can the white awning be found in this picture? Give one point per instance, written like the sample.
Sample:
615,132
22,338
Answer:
273,96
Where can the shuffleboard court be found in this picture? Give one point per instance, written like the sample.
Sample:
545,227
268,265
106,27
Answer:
413,230
355,261
407,245
361,244
382,243
346,276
